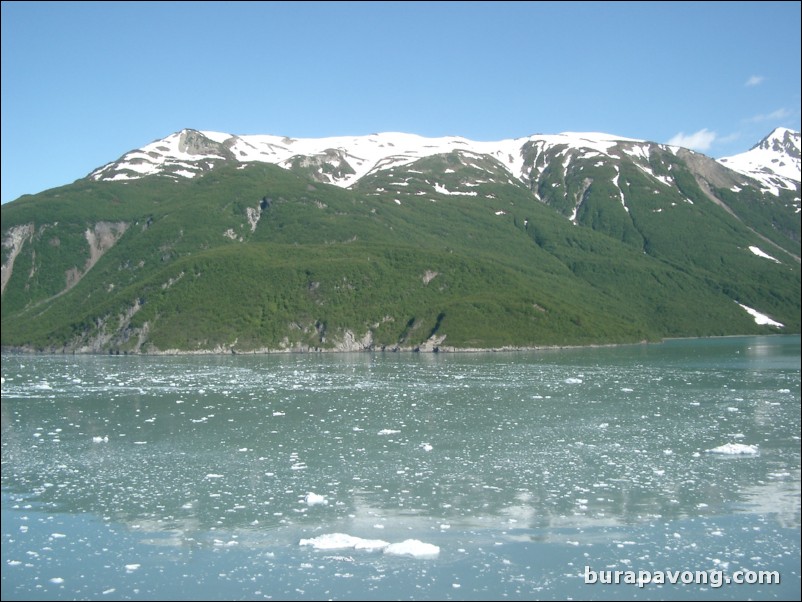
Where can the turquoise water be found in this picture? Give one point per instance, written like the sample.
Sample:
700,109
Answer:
504,475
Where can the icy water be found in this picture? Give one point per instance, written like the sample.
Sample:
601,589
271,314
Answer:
404,476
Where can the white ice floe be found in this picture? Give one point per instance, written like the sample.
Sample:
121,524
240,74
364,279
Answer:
104,439
313,499
414,548
573,381
735,449
388,432
426,446
341,541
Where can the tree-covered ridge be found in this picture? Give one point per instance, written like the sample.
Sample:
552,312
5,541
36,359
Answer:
448,251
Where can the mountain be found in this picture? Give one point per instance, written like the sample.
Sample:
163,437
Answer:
774,161
211,242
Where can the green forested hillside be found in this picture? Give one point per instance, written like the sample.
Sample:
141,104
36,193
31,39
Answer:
442,253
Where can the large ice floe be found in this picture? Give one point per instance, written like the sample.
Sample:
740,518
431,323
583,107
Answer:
735,449
341,541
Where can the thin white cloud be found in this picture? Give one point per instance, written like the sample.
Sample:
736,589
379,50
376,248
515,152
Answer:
728,138
773,116
754,80
698,141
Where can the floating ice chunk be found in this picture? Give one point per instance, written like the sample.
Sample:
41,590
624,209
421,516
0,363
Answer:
388,432
130,568
426,446
225,544
212,475
414,548
313,499
735,449
341,541
573,381
57,580
104,439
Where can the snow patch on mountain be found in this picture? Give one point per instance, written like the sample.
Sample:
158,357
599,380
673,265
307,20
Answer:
760,253
760,318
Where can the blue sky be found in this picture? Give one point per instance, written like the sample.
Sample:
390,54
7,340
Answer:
83,83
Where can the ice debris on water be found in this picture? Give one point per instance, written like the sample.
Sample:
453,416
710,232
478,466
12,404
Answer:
339,541
314,499
735,449
414,548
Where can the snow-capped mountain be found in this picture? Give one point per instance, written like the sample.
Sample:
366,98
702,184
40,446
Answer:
774,161
343,161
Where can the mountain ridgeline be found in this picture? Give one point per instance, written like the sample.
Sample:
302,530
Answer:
211,243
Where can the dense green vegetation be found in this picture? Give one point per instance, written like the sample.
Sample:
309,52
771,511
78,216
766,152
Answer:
255,258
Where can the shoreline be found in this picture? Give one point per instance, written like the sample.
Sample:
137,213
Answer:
423,348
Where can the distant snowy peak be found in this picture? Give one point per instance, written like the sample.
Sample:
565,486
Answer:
774,161
186,153
342,160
